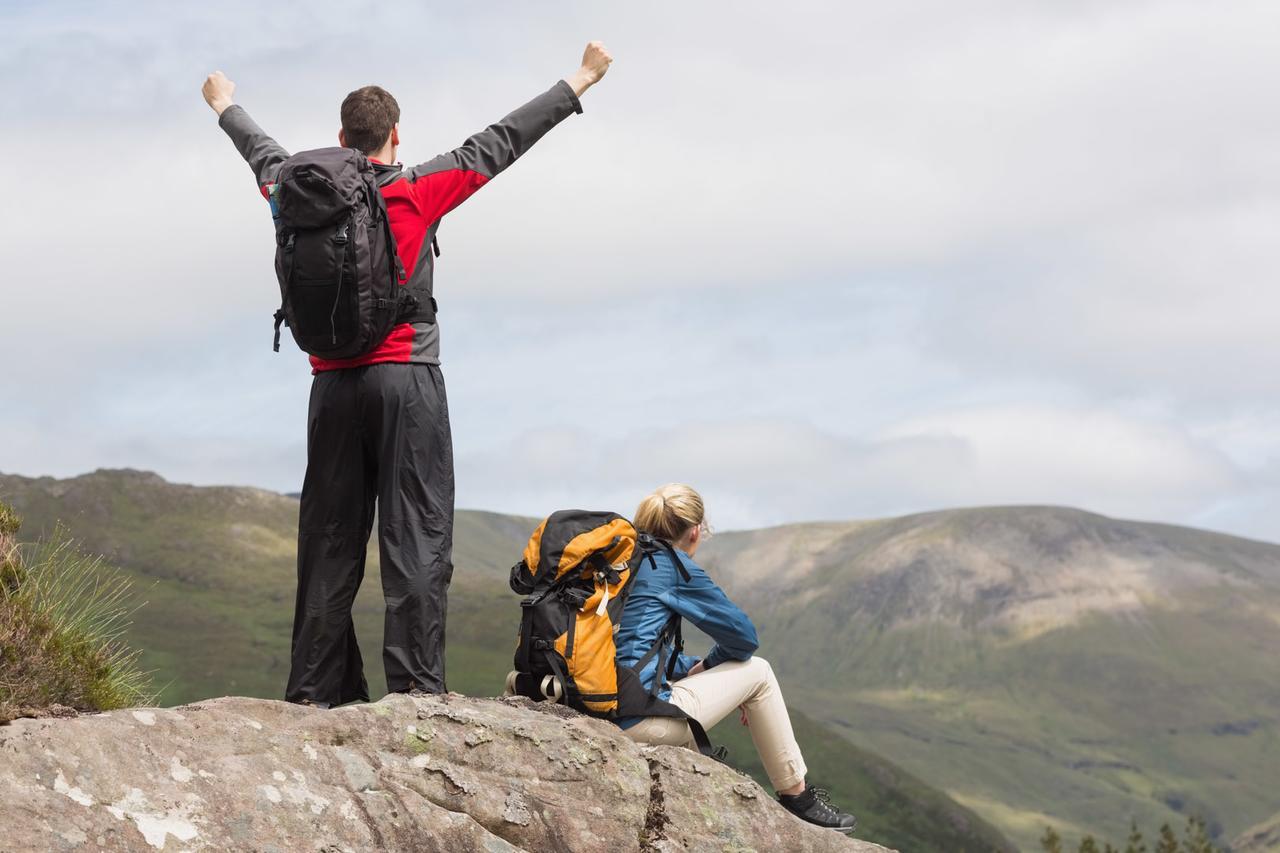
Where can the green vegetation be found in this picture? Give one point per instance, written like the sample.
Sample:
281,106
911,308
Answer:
1195,839
219,569
10,563
1040,666
893,807
63,616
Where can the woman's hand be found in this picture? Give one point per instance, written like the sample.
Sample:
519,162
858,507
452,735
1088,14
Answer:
695,669
742,715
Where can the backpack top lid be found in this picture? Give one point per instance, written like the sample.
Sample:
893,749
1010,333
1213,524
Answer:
320,187
568,538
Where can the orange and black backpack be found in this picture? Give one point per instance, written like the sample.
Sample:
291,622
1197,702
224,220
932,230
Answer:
575,575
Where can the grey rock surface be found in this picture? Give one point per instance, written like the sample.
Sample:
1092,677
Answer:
431,773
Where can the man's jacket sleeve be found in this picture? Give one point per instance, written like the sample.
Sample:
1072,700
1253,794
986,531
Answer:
704,604
443,183
263,154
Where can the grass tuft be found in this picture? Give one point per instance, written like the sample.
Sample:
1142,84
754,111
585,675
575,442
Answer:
10,566
63,615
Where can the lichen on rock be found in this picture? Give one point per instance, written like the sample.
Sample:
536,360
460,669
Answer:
446,773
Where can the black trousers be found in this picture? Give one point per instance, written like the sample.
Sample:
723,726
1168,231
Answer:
377,437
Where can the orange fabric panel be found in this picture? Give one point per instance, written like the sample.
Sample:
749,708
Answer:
534,549
585,544
593,666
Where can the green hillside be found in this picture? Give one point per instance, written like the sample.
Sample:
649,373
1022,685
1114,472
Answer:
1042,665
887,800
216,566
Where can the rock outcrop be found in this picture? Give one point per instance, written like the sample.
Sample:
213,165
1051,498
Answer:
1263,838
431,773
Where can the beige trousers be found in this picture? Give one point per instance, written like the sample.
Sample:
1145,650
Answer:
712,695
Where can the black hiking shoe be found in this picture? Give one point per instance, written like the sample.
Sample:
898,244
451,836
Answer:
813,805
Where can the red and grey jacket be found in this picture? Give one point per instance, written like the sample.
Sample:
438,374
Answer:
417,199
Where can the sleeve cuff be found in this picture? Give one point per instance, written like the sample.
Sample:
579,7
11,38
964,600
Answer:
573,98
222,118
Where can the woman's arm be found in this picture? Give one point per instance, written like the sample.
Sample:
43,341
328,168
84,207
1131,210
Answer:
702,602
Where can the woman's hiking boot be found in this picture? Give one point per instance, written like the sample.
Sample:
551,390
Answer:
813,805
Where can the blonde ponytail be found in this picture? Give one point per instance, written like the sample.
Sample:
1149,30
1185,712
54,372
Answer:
670,512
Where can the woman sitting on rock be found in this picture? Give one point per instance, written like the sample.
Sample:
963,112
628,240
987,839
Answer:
729,677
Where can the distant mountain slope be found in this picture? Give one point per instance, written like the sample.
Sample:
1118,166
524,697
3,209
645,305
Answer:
217,567
1044,664
888,801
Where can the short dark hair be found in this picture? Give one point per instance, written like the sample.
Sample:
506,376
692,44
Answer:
368,114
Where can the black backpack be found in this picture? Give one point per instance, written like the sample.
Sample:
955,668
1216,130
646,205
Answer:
340,276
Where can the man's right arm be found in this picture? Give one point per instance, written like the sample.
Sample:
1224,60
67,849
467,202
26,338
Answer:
444,182
263,154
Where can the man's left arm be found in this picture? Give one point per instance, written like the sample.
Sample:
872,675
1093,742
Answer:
444,182
263,154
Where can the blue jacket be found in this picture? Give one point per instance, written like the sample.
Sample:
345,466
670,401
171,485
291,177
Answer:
658,591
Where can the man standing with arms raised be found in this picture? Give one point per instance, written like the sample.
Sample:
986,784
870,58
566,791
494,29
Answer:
378,425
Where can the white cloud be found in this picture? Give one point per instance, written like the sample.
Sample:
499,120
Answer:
1103,459
861,240
772,471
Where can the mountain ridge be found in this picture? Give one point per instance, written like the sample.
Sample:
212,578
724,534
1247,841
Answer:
1041,664
217,566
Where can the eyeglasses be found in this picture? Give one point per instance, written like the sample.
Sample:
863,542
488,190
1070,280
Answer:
705,529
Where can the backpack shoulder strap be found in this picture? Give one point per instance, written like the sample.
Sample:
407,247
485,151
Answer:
672,632
675,558
650,545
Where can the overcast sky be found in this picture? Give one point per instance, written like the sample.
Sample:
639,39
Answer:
819,260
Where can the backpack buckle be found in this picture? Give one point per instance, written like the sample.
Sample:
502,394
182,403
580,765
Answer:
341,236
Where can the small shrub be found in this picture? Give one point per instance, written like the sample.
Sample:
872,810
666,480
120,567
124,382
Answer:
1195,840
10,566
63,615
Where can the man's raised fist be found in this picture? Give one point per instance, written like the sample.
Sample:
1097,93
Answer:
596,59
217,91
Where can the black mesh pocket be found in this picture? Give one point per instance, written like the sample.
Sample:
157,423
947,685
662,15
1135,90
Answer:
325,312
